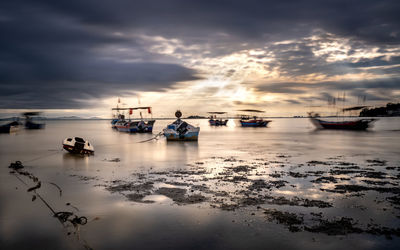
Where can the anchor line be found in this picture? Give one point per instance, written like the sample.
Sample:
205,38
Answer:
43,156
153,138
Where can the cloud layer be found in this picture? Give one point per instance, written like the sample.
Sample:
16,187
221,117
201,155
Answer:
65,54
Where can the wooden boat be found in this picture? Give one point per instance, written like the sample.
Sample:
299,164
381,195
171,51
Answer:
252,121
214,121
9,127
143,125
117,115
180,130
122,126
133,126
77,145
119,118
29,123
357,124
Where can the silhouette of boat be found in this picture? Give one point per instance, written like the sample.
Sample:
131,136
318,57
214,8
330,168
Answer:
29,123
9,127
214,121
357,124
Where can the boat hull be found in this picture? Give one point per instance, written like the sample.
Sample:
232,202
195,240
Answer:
10,127
74,150
361,124
122,128
254,123
190,136
32,125
146,129
218,122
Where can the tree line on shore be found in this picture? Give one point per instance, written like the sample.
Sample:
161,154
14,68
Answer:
391,109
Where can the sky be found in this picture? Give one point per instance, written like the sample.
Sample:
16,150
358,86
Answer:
284,57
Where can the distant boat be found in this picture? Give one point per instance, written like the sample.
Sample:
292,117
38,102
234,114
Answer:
78,145
180,130
9,127
357,124
214,121
252,121
29,123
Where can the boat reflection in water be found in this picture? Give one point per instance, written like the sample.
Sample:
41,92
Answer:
180,130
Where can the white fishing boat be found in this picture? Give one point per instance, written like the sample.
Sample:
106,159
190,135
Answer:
180,130
78,145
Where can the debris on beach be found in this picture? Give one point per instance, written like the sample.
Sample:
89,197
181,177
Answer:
271,186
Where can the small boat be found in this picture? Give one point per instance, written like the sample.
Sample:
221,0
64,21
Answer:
180,130
29,123
214,121
253,121
78,145
9,127
357,124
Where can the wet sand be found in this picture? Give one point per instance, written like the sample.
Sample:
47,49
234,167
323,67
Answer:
236,188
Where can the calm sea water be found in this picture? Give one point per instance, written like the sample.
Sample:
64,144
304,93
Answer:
116,222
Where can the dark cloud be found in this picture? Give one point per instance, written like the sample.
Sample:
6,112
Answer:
373,90
56,54
51,60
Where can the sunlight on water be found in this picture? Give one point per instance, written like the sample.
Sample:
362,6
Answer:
145,194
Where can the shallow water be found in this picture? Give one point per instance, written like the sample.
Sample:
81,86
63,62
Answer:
217,193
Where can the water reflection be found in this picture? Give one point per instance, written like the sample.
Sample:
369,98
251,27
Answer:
227,160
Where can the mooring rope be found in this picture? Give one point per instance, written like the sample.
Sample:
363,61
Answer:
56,151
153,138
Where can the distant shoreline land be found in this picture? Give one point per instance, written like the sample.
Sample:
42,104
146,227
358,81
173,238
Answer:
391,109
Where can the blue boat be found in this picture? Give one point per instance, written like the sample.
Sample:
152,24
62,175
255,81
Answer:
253,121
180,130
133,126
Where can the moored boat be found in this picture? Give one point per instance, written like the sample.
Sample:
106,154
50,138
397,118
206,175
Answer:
77,145
253,121
30,124
133,126
214,121
357,124
180,130
122,126
144,125
9,127
141,126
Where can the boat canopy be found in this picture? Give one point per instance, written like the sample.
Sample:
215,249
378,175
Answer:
354,108
252,110
135,108
31,113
